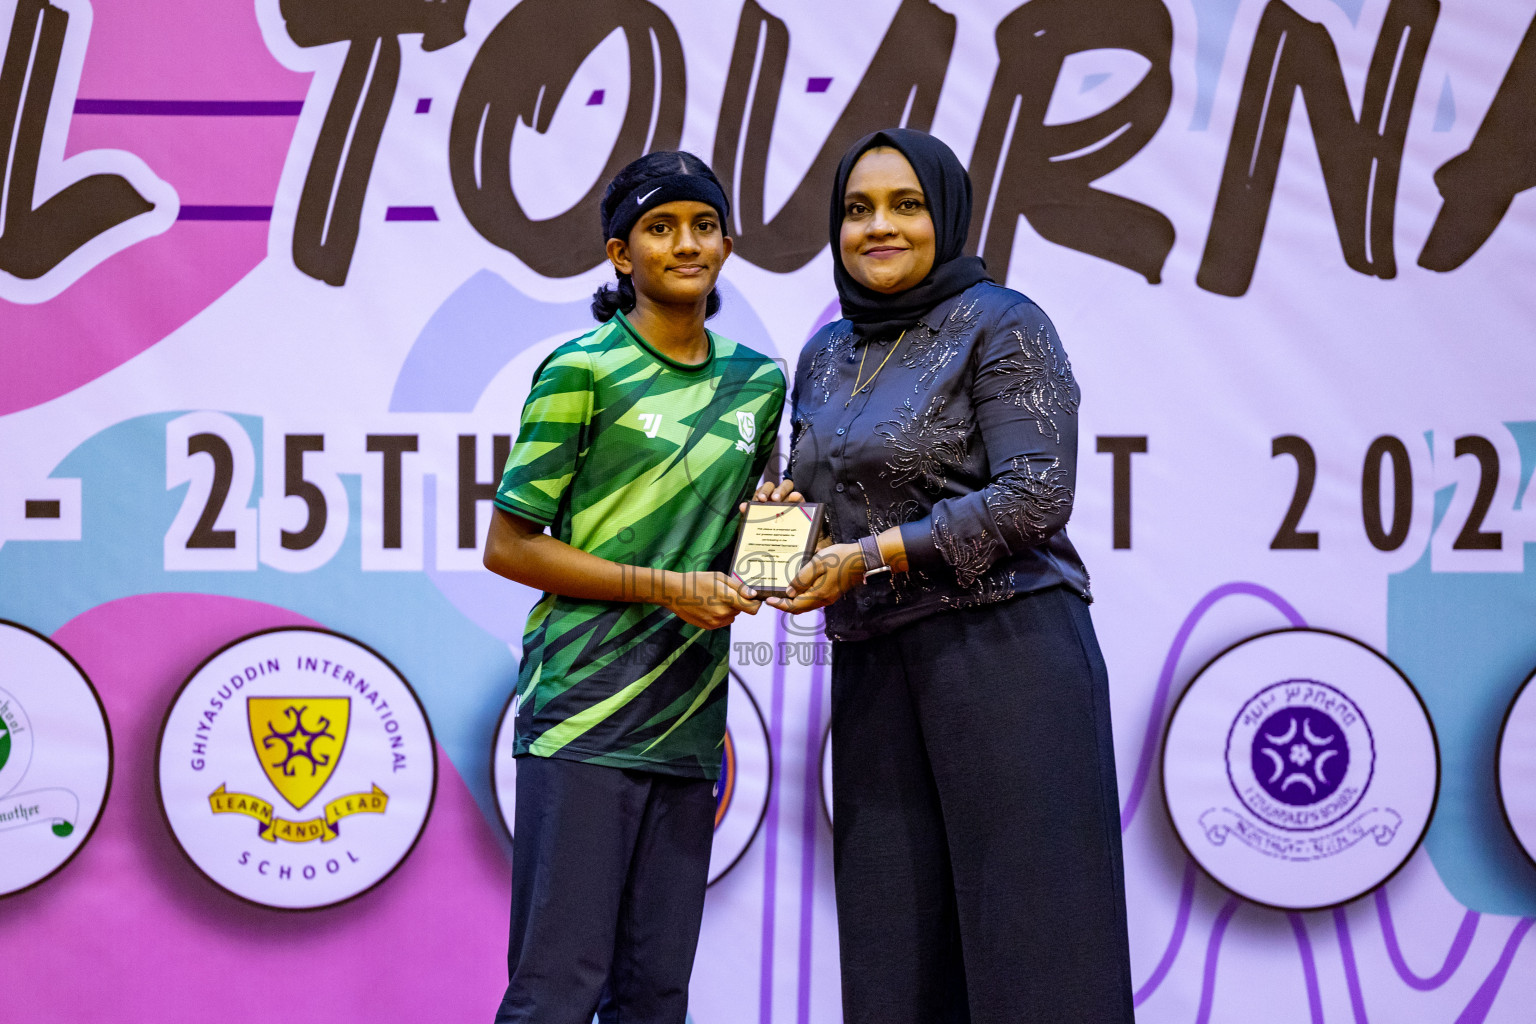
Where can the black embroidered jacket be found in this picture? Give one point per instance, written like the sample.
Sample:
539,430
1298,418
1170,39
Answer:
966,440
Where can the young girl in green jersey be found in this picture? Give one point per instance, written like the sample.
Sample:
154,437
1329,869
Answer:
619,502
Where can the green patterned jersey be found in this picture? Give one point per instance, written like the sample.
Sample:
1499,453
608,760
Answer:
640,460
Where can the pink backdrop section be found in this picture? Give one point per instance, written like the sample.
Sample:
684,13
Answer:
134,299
211,161
122,307
195,949
139,51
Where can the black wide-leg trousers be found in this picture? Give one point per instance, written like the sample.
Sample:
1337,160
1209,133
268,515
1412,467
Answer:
976,822
608,874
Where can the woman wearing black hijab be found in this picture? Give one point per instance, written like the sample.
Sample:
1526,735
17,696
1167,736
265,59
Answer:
975,816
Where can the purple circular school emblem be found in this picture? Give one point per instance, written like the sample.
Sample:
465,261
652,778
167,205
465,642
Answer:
1300,754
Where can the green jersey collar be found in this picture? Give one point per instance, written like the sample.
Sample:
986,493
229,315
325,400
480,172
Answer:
705,366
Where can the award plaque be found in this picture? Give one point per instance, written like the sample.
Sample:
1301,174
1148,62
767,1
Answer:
776,539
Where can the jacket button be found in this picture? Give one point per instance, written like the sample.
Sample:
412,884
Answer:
840,431
839,488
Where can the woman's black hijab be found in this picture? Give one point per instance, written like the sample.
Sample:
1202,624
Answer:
947,189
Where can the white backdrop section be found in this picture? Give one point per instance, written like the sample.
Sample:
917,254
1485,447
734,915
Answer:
1312,349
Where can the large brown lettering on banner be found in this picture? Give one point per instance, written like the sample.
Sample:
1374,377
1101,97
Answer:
520,74
1023,166
1361,157
900,89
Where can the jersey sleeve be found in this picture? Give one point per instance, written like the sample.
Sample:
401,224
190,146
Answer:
550,440
768,432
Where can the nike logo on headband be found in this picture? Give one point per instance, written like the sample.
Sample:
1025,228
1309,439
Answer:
640,200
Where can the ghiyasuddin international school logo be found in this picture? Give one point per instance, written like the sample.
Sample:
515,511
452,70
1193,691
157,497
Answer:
1300,768
55,758
299,742
296,768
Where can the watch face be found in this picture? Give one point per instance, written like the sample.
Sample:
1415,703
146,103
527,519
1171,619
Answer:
1300,769
55,758
296,768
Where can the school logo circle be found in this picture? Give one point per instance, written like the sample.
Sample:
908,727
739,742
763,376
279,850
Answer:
1517,766
296,768
741,793
1300,768
1300,755
55,758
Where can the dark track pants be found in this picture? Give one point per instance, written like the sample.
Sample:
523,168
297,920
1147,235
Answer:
608,875
976,822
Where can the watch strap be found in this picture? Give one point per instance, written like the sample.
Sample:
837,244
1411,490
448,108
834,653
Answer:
874,562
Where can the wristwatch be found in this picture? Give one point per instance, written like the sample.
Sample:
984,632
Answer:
874,562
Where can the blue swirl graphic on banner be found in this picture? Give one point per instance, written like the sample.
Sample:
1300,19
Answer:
1465,640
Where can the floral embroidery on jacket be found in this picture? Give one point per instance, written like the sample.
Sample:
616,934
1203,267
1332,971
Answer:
970,557
1039,381
989,589
889,517
925,445
932,350
1027,504
822,373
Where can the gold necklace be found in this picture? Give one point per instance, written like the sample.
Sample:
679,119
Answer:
859,384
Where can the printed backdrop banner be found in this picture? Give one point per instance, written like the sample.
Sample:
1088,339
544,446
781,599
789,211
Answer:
274,277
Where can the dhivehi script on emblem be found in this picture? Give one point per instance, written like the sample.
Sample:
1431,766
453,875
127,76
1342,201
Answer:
296,768
1300,768
55,758
1517,766
741,795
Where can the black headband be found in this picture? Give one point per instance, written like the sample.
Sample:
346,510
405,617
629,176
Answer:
655,191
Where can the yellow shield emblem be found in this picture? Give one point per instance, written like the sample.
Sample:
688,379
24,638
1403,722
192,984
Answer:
298,741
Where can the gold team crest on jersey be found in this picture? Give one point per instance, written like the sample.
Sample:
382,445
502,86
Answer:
299,742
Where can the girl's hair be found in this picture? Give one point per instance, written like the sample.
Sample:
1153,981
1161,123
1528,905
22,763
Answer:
620,297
